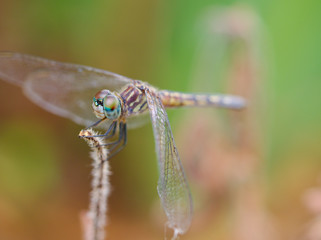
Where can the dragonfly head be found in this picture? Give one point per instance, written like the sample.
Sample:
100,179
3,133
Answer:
106,105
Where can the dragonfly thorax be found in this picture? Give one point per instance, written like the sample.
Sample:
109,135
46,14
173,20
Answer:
106,105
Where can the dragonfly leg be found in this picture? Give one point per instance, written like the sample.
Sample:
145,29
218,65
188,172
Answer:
121,133
95,124
120,143
117,145
122,137
112,128
109,133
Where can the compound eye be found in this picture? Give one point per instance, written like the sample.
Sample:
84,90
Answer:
111,106
101,94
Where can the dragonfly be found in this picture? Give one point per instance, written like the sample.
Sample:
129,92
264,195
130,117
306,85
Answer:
66,90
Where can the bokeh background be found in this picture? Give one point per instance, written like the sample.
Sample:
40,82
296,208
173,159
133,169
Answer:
253,175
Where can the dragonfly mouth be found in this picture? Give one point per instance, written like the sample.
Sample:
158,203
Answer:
98,111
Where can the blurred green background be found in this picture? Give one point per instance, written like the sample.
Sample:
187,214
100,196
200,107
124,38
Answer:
45,168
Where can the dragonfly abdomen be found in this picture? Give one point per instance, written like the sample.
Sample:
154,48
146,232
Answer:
178,99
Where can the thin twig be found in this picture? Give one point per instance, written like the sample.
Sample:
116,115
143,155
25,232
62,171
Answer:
94,220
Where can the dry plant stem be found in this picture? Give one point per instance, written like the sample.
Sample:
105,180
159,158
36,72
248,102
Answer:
94,220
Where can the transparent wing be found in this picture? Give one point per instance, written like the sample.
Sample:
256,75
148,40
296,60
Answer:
61,88
137,121
172,188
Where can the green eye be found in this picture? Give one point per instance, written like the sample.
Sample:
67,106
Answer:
112,107
110,103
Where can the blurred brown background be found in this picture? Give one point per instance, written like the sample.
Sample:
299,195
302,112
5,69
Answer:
249,172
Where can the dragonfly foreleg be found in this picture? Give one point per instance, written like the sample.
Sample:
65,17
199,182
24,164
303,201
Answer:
108,134
95,124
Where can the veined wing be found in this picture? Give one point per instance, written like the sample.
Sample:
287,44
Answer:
172,188
61,88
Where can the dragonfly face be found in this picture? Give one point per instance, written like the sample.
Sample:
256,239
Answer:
106,105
